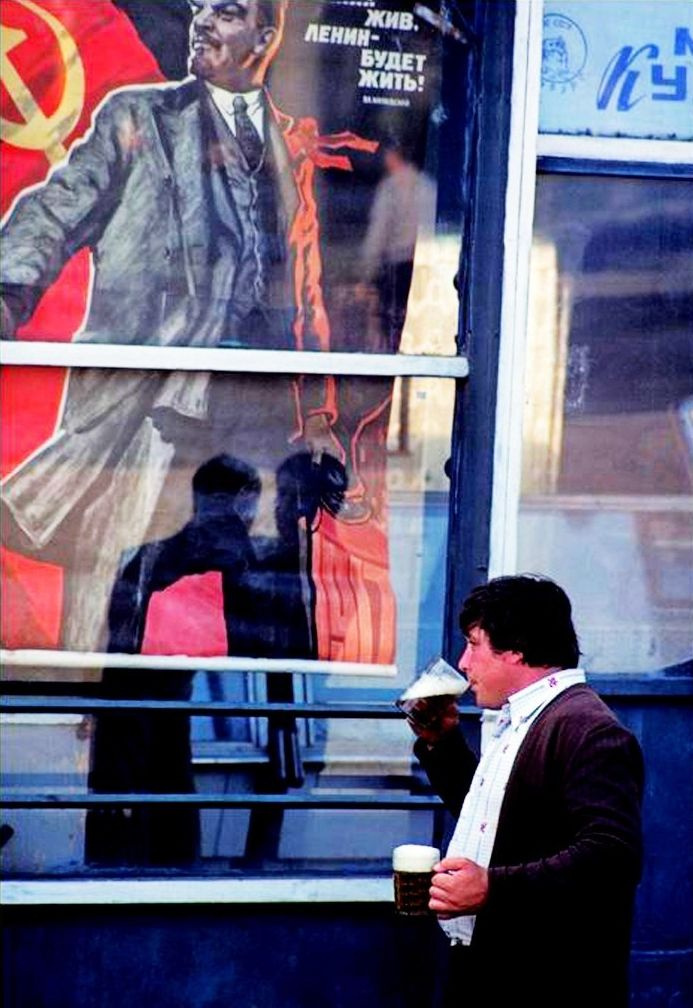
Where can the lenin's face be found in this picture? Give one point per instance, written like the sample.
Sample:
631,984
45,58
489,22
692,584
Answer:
230,43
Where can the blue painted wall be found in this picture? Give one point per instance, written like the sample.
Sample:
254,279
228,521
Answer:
221,957
662,956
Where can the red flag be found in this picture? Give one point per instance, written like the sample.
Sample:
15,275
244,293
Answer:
60,58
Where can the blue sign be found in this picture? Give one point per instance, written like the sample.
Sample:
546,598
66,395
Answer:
618,68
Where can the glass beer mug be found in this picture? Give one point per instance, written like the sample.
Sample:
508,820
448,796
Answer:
425,701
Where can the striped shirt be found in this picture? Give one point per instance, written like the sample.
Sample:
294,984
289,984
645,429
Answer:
475,832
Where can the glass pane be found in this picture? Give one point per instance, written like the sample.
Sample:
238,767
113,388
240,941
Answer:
313,218
209,514
65,755
607,70
607,496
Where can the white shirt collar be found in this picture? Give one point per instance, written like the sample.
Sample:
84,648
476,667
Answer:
524,703
223,99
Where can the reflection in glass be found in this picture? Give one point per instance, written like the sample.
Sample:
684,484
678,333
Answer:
152,478
403,209
607,496
143,490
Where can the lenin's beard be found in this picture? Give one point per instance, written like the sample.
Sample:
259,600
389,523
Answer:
220,63
205,58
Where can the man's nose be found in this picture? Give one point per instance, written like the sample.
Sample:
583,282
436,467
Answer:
204,15
463,662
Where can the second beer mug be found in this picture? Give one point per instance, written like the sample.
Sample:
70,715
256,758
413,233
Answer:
412,867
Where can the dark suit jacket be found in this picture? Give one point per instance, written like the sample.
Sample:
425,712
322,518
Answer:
566,859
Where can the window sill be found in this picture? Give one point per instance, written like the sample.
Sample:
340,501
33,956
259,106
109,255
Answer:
113,892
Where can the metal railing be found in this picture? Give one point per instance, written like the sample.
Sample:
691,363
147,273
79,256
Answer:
22,697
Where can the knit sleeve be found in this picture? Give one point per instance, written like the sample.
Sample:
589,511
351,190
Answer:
450,766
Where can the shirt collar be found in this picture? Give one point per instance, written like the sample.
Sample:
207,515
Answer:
525,702
223,99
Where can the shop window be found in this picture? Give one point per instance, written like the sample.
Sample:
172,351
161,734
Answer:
607,479
226,510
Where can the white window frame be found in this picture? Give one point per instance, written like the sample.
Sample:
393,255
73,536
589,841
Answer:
591,148
160,358
519,216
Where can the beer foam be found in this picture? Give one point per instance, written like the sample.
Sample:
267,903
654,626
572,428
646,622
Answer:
437,679
414,858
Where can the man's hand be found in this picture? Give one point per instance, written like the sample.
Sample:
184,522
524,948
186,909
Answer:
318,436
444,721
459,887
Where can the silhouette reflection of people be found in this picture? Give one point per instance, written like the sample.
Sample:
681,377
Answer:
265,582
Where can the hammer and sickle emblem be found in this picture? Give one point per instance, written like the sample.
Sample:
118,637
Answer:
38,131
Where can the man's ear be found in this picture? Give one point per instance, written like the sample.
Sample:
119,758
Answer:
514,657
265,39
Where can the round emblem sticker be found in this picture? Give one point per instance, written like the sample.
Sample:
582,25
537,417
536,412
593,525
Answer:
563,50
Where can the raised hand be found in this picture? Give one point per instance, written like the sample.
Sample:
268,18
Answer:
430,718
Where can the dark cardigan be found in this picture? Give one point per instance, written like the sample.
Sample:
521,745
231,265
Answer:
565,863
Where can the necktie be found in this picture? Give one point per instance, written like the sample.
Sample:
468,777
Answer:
247,136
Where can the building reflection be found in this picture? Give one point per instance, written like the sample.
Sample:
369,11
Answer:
607,487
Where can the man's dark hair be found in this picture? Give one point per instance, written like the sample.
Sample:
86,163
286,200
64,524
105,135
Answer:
395,145
224,474
526,613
